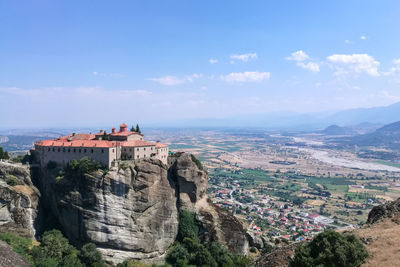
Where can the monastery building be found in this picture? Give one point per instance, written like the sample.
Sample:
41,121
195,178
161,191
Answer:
101,147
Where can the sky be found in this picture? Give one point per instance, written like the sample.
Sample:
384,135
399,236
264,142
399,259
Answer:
87,63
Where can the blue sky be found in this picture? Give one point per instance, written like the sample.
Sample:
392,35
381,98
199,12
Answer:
76,63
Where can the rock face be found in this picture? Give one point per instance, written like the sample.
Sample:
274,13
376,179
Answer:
18,200
132,211
9,258
190,185
128,212
388,210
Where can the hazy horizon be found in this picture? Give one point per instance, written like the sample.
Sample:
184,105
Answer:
75,64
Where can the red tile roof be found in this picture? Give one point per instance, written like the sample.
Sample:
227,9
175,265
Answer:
124,133
80,136
159,145
135,143
77,143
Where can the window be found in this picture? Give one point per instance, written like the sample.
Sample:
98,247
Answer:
53,149
49,149
137,149
144,155
91,151
113,150
102,151
144,149
80,150
130,149
74,149
137,156
64,149
69,149
84,150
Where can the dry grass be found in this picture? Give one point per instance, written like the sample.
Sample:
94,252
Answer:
24,189
383,245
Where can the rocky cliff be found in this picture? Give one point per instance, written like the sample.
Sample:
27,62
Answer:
131,211
18,200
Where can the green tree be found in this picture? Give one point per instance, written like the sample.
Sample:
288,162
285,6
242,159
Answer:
91,256
188,225
203,257
3,154
53,247
138,128
178,254
330,249
132,129
220,254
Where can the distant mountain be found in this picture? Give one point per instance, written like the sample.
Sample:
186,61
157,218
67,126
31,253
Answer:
363,120
338,130
386,136
383,115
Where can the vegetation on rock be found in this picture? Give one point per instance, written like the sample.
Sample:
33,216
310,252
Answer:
330,248
197,162
54,250
190,251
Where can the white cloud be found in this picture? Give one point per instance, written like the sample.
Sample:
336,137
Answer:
170,80
244,57
192,77
103,74
213,61
348,42
362,37
298,56
394,71
311,66
355,63
248,76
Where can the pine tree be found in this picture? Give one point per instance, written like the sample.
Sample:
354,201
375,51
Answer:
138,128
132,129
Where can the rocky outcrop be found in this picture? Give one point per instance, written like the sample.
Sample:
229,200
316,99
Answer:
19,199
278,257
190,184
389,210
127,212
131,211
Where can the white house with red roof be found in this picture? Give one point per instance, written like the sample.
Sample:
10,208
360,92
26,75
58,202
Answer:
102,147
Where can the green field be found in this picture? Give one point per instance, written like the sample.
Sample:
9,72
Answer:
387,163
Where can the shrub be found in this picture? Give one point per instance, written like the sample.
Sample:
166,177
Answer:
11,180
90,255
188,225
77,168
197,162
267,249
53,245
177,253
330,249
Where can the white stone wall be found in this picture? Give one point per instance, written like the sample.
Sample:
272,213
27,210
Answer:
162,154
63,155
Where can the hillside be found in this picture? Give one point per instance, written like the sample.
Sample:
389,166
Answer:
387,136
338,130
381,235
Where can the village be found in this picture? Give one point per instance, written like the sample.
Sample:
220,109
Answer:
281,217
